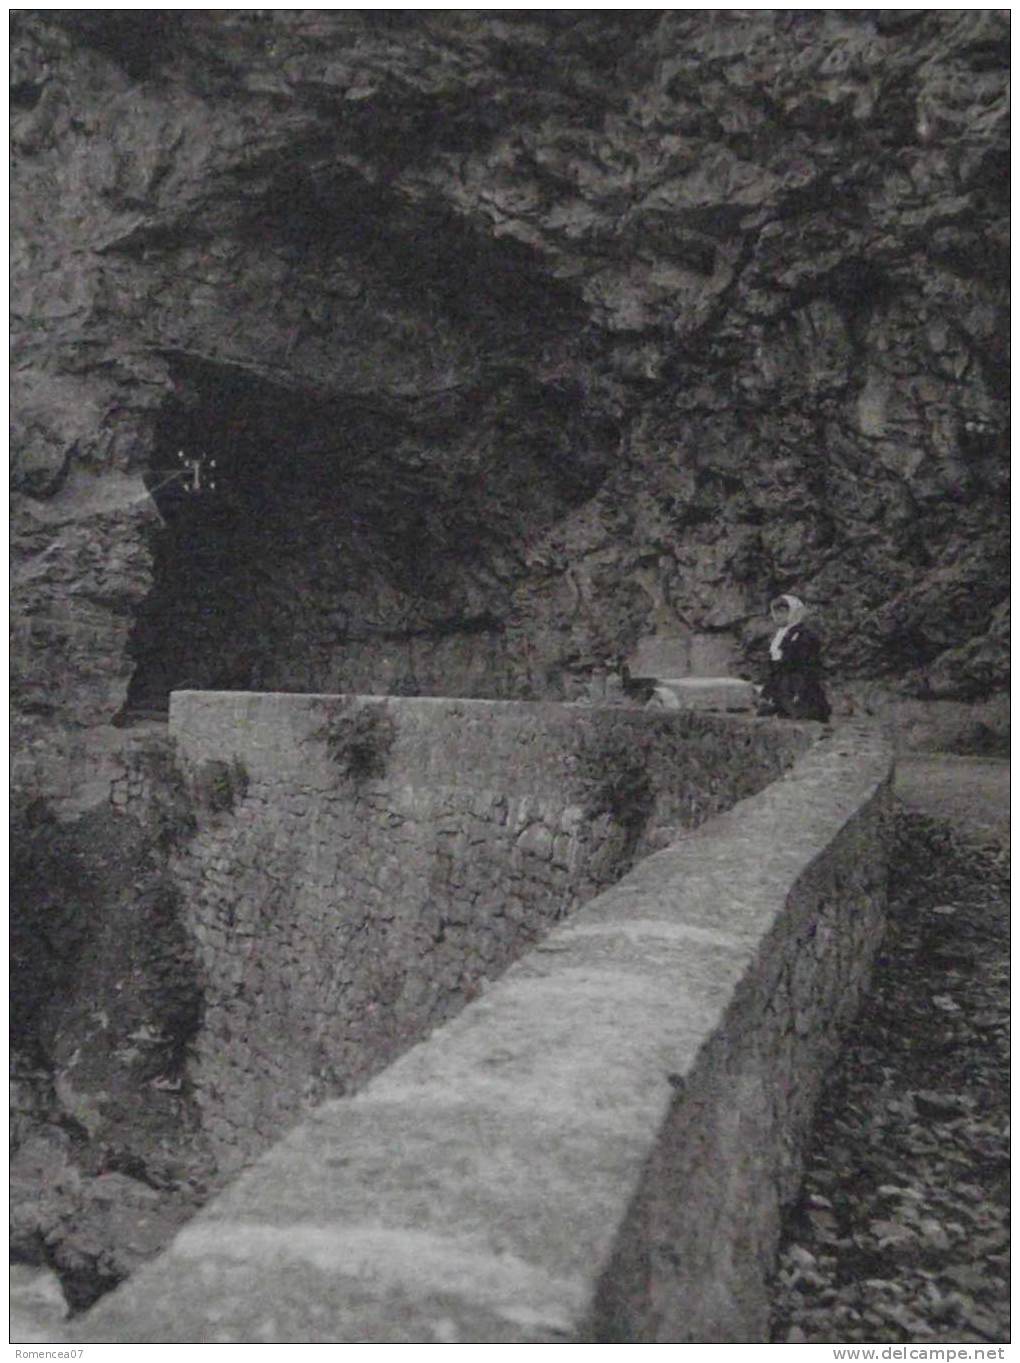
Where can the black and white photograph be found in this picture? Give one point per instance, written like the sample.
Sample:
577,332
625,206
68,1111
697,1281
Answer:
509,680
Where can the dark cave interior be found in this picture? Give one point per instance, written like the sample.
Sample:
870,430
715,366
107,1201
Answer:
239,465
298,529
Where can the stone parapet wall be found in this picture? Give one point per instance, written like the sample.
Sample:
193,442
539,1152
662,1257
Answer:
339,914
597,1149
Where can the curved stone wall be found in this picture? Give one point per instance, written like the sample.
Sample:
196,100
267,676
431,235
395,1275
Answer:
361,869
598,1147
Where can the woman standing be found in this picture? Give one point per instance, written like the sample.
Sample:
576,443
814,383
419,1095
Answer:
793,688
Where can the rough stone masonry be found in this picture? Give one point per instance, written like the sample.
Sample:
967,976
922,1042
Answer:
597,1148
338,916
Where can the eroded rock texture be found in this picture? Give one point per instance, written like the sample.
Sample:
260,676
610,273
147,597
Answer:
515,336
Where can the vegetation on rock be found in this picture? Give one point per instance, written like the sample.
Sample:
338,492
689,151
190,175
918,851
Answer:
358,738
220,786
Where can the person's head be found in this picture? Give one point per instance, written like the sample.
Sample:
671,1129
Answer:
787,610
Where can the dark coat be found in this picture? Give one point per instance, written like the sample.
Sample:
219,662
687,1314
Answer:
793,687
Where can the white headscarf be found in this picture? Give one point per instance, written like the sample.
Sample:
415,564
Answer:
797,612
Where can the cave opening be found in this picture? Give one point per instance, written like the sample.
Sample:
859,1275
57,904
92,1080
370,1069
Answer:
256,490
364,542
310,543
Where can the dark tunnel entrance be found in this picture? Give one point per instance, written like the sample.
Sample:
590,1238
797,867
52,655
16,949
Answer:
303,541
250,484
312,543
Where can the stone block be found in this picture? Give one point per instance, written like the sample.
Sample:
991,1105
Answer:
685,654
714,694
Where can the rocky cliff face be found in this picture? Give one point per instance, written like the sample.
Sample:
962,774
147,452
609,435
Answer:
514,336
454,352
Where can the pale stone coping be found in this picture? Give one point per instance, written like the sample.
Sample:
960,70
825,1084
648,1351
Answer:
700,683
475,1190
704,694
272,731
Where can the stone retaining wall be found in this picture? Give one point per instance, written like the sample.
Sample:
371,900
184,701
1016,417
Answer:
598,1147
362,869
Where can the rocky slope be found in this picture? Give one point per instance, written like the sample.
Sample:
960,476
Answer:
515,336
